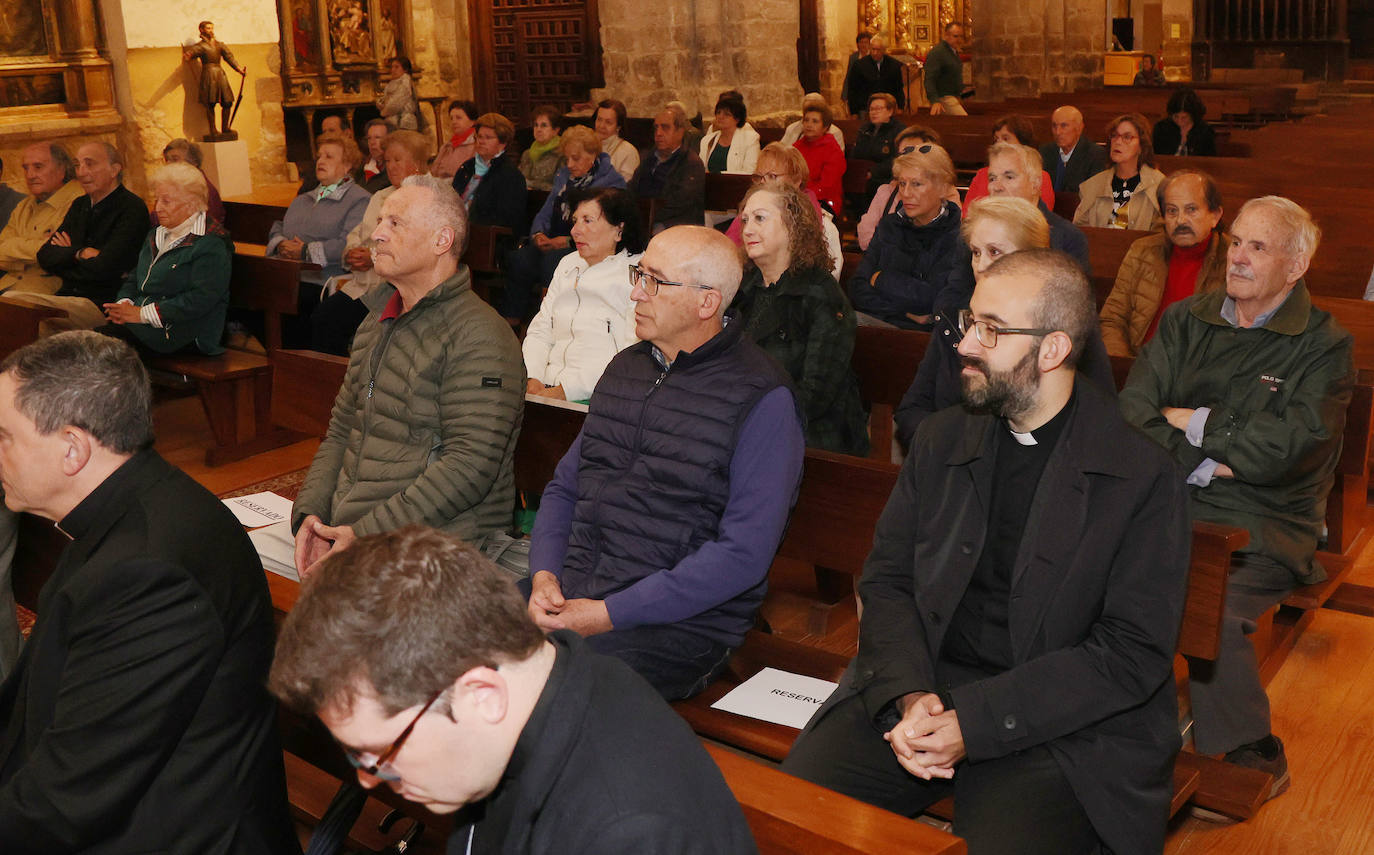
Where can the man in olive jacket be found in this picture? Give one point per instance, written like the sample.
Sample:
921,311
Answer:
424,427
1022,600
1247,388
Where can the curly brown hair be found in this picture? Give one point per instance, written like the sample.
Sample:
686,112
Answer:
806,245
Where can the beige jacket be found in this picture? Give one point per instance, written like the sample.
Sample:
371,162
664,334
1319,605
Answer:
1134,301
1142,212
30,226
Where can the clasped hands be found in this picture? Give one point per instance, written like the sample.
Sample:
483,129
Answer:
292,249
316,541
64,239
550,610
927,741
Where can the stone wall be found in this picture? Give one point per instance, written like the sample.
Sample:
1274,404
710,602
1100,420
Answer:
692,50
1026,47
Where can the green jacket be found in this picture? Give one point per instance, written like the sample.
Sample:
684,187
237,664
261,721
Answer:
189,283
424,427
944,72
805,322
1277,394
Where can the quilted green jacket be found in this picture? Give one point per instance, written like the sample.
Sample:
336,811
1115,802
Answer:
424,427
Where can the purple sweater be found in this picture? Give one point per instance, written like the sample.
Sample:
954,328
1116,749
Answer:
767,463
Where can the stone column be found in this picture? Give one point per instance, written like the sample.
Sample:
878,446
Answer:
77,29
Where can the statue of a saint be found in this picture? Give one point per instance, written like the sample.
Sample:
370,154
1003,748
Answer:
214,84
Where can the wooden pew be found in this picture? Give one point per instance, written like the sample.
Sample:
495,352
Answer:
19,324
1106,249
251,222
725,191
885,362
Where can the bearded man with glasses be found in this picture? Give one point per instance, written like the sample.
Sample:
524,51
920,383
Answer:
1022,601
654,538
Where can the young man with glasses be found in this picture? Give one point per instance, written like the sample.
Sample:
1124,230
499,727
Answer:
417,654
1021,602
654,538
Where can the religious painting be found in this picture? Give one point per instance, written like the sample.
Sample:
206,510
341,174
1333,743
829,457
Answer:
922,11
305,40
31,89
350,33
23,32
922,33
388,30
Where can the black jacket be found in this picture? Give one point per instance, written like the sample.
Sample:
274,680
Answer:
1202,140
913,264
679,185
869,78
604,766
501,198
1097,594
1087,160
877,142
137,719
116,226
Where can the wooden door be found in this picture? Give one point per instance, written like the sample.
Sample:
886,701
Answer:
533,52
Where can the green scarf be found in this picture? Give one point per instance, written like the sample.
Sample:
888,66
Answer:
538,149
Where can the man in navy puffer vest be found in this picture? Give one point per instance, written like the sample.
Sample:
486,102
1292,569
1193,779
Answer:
655,536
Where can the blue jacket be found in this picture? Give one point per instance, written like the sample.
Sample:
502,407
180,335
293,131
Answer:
913,264
550,220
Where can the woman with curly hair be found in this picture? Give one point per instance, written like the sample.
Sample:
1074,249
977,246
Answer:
791,305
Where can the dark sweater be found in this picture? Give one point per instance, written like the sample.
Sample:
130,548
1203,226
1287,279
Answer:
116,226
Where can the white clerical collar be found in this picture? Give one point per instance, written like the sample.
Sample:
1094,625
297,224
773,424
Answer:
1026,438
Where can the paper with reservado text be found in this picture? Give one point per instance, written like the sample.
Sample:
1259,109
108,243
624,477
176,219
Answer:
259,509
777,696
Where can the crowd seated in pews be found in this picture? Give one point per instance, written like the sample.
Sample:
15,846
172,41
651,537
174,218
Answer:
50,178
1013,130
531,267
566,348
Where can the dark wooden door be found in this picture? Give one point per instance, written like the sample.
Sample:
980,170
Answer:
532,52
809,47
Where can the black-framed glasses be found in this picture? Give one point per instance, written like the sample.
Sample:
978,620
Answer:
380,768
760,177
987,333
649,283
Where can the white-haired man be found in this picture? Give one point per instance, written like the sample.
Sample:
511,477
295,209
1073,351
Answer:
424,427
1070,159
1247,387
655,536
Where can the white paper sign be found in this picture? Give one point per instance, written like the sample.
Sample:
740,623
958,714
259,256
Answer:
778,696
260,509
277,548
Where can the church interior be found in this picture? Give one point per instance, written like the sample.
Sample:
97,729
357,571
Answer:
1289,89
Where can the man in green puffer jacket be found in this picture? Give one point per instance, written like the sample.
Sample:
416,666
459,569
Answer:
424,427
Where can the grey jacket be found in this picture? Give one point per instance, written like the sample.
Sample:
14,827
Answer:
424,427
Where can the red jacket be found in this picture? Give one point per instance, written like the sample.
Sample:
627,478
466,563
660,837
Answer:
827,164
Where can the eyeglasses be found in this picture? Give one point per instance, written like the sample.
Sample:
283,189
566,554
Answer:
649,283
760,177
1125,137
987,333
381,767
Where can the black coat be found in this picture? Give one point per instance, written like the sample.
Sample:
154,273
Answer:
877,143
1096,602
1087,160
913,263
605,766
501,198
116,226
1202,140
869,78
937,386
137,719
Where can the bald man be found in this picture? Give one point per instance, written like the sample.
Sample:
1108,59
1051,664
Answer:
1071,158
654,538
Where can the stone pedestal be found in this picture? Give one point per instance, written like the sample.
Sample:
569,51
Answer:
226,163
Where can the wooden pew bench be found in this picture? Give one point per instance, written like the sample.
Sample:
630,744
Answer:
885,362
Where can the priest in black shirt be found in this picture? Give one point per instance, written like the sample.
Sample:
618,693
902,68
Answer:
96,245
1022,600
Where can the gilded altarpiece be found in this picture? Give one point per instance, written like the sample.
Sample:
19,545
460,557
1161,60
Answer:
337,51
912,27
50,60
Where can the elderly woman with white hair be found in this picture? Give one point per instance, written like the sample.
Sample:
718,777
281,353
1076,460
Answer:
175,299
